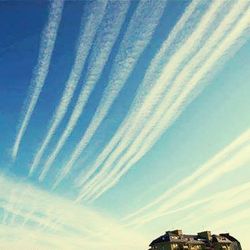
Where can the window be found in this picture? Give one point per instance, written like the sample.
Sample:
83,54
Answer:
175,246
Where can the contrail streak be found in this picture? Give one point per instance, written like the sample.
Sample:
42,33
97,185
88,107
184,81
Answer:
87,34
229,159
223,202
137,37
219,157
181,102
163,118
216,204
151,74
234,196
40,72
106,38
8,207
157,93
243,214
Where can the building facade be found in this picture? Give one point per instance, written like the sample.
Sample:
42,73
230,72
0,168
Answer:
176,240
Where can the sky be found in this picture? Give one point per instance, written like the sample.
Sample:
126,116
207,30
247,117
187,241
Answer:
121,120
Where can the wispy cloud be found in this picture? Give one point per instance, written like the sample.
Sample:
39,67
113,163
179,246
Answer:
40,72
231,158
105,40
210,164
174,101
136,38
216,203
239,216
152,72
87,34
202,40
78,226
230,203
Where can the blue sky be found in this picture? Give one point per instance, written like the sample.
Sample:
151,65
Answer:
127,118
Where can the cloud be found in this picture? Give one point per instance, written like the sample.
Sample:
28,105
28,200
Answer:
76,226
40,72
215,49
231,158
106,37
136,38
85,40
214,204
151,74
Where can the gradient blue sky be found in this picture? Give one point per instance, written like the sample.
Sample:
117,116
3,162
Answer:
130,34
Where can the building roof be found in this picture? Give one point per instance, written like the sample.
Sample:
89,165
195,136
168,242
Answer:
221,239
170,236
230,237
177,236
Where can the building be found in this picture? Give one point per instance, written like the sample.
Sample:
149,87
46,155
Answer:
176,240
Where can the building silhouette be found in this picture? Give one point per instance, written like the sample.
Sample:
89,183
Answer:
176,240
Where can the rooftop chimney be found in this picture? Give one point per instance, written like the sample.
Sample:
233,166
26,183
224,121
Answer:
206,234
177,232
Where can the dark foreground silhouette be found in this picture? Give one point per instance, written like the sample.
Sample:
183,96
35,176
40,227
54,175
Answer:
176,240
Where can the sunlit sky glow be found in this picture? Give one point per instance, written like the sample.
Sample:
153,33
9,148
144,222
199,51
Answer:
123,119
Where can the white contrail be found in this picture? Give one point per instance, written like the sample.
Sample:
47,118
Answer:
7,214
17,198
157,92
215,204
163,118
105,40
149,102
235,161
152,73
87,34
137,150
232,197
77,223
40,72
217,159
235,217
225,201
136,38
229,44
